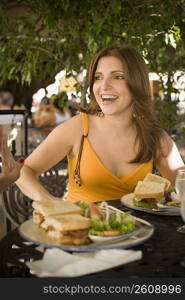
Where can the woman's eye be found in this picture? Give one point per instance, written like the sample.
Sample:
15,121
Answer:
97,77
119,77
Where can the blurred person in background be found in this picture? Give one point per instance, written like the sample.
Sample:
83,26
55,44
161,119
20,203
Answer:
51,112
61,111
44,116
6,100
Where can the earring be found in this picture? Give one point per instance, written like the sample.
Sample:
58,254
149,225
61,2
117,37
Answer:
138,117
100,113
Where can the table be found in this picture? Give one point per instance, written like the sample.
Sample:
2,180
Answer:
163,253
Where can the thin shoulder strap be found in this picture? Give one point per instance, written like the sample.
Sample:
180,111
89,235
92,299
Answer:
85,123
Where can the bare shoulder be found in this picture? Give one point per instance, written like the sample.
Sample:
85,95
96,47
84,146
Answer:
71,127
72,122
66,135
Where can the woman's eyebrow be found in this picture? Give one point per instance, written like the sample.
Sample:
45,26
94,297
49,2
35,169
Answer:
114,71
117,71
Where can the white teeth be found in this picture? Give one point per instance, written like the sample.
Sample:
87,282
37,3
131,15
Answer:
108,97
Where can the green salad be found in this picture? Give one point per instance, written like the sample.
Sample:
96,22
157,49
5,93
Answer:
107,222
121,222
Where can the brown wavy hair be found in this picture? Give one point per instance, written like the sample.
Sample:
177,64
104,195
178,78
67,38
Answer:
148,129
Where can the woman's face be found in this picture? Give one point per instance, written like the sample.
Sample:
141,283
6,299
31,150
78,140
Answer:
110,88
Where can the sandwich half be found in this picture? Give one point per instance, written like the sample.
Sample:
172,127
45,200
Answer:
148,193
56,207
67,229
159,179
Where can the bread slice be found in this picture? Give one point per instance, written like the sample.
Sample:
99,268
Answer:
159,179
149,189
56,207
66,222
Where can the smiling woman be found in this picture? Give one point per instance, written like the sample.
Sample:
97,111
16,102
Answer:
114,142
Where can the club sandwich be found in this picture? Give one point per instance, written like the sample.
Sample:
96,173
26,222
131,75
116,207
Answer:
56,207
67,229
148,193
152,192
62,221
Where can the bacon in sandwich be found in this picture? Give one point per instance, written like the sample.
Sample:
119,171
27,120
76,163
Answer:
66,229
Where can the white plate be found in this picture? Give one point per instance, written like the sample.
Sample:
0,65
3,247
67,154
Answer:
32,233
104,239
127,200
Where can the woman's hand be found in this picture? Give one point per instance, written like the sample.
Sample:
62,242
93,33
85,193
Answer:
10,167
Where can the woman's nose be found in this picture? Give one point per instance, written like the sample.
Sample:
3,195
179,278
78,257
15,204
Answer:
105,83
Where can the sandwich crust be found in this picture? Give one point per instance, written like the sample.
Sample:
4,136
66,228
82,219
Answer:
159,179
149,189
66,222
56,207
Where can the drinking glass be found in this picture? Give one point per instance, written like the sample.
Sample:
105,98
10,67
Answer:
180,190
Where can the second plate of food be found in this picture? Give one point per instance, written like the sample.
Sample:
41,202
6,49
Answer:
127,201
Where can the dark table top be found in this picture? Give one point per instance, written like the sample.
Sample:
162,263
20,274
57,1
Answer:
163,253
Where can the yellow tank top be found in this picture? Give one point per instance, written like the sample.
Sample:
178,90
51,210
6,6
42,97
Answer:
98,183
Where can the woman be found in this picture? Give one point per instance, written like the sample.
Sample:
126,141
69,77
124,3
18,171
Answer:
115,143
10,168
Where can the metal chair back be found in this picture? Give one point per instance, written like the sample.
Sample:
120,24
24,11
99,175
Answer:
18,207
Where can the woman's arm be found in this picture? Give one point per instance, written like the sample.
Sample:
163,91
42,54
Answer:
169,160
59,143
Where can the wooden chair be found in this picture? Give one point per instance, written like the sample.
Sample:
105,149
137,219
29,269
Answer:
18,207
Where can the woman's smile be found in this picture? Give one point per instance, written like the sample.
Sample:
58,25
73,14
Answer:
108,99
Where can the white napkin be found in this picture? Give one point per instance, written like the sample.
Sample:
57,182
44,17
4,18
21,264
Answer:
58,263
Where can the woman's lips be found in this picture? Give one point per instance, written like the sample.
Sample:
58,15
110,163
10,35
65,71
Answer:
108,98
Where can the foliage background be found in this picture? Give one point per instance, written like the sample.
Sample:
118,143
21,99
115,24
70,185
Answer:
40,38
